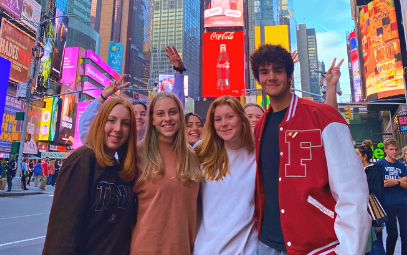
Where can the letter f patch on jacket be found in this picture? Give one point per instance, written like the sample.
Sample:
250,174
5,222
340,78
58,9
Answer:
300,143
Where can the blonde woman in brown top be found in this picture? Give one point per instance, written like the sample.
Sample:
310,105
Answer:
168,183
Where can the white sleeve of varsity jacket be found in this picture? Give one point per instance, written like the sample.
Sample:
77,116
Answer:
348,184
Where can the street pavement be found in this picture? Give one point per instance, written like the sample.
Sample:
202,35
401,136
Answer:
24,220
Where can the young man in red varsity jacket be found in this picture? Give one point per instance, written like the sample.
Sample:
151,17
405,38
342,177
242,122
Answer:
311,191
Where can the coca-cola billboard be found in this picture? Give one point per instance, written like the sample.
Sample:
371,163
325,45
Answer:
223,13
223,64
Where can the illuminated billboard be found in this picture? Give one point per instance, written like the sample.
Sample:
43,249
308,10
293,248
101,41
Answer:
45,68
80,108
68,116
223,64
223,13
10,124
102,64
13,7
115,59
31,13
70,66
16,46
93,73
383,67
49,120
61,33
355,67
166,83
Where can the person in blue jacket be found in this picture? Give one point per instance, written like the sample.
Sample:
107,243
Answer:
89,114
37,173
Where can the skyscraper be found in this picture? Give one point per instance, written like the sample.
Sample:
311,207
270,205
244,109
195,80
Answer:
307,52
177,22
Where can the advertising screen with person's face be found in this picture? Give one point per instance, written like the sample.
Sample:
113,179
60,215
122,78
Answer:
223,13
68,117
61,33
223,64
383,67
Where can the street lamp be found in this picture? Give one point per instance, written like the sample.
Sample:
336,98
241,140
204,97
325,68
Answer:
28,94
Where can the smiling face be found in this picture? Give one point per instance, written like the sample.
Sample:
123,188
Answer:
141,117
166,119
274,81
228,126
254,113
194,129
117,128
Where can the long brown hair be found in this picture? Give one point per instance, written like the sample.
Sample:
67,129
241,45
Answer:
127,152
211,151
153,163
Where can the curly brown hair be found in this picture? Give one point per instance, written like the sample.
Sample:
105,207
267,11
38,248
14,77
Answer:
269,54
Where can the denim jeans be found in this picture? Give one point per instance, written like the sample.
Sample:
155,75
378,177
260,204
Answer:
378,248
9,182
263,249
395,212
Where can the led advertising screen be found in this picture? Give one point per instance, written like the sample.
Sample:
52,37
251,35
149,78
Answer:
49,120
5,66
16,47
96,75
12,6
91,90
10,124
115,58
80,108
223,13
45,68
33,128
404,14
223,64
355,67
166,83
70,66
102,64
68,116
61,33
383,67
31,12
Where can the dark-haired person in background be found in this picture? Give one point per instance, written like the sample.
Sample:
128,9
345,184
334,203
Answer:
374,173
11,167
194,128
308,198
395,199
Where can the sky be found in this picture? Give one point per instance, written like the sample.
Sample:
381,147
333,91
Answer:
331,20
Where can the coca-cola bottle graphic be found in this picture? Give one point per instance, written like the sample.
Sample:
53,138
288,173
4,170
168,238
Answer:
223,68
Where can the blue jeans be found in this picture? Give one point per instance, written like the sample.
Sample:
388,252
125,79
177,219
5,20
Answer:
378,248
9,182
49,179
396,212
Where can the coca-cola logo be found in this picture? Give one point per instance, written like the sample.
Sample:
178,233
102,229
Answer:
223,66
224,36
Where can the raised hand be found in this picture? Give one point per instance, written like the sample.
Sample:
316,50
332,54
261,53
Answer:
174,57
294,56
114,86
333,74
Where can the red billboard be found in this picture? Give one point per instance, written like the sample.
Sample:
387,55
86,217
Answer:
223,64
16,46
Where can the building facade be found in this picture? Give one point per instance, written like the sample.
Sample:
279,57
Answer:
177,23
307,52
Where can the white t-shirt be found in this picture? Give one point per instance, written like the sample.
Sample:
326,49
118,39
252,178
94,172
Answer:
227,225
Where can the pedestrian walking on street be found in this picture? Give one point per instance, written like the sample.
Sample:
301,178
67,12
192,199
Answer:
23,174
374,173
311,192
11,172
94,207
44,173
395,198
51,172
37,173
228,161
30,171
168,183
54,179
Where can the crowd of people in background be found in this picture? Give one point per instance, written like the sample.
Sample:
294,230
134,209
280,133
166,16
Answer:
42,171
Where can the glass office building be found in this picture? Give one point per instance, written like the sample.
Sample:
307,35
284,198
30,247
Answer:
176,22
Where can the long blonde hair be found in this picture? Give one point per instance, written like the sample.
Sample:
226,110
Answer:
211,151
127,152
153,163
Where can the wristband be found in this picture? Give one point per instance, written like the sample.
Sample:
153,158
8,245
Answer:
398,184
101,95
179,69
